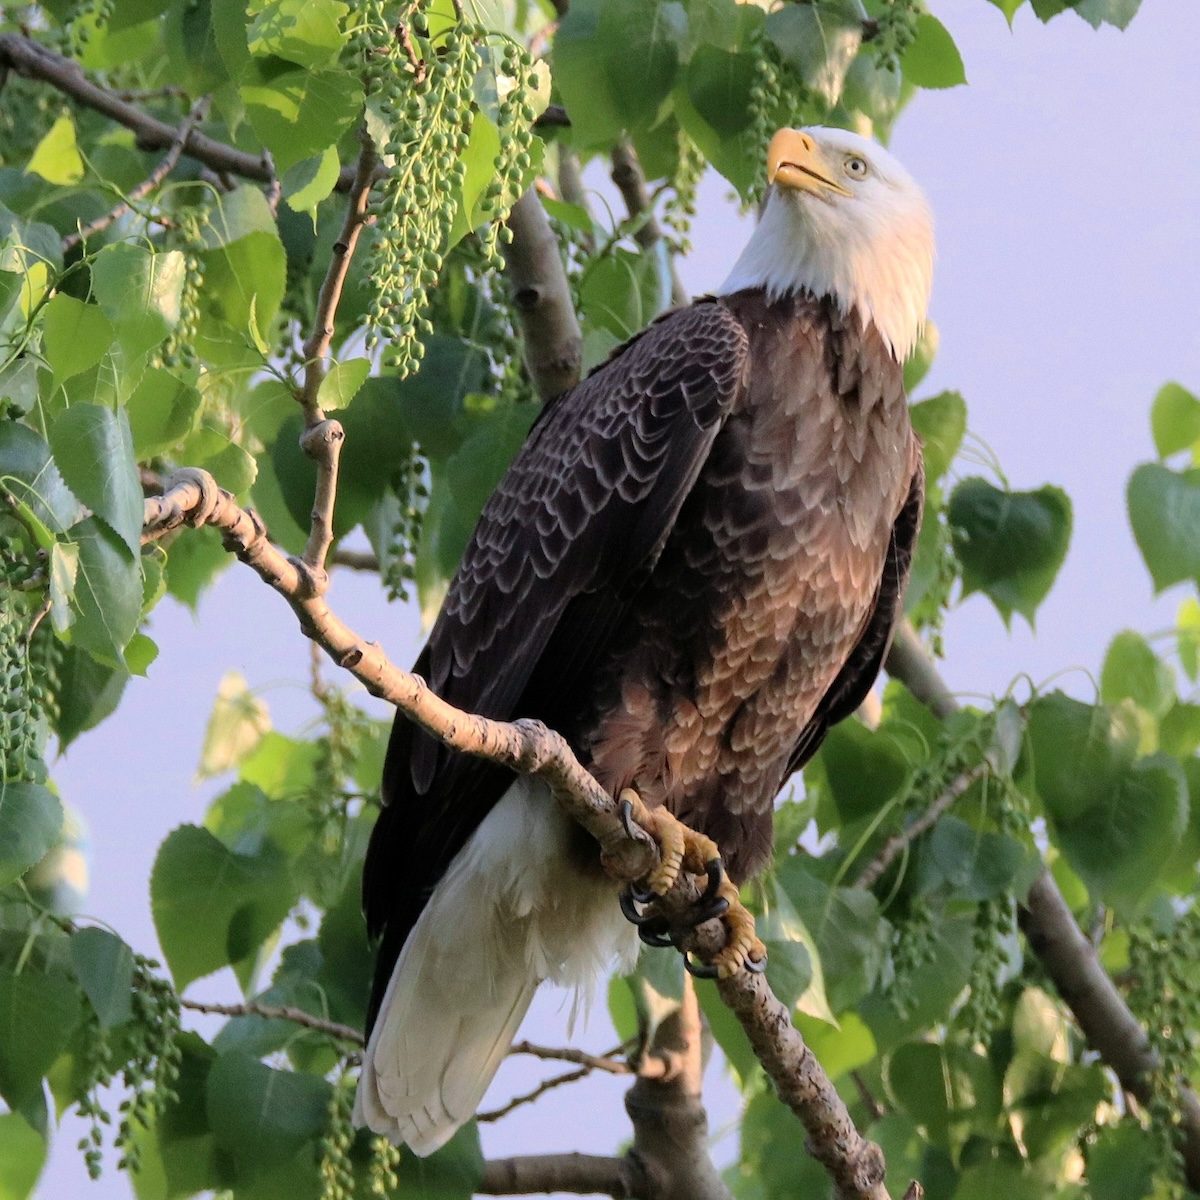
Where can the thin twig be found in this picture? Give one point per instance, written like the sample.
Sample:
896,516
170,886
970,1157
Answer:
542,1088
148,185
322,438
888,852
356,560
595,1062
276,1012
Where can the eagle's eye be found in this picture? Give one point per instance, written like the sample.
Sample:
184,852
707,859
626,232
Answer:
855,166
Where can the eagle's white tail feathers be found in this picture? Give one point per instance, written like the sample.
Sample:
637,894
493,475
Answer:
512,910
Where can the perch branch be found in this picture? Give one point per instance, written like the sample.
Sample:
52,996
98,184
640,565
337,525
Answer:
152,181
529,748
627,174
1054,936
608,1063
542,297
576,1174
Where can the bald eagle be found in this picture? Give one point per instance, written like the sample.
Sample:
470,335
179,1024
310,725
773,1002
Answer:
691,570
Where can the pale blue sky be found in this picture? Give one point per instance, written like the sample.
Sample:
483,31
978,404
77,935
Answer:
1067,193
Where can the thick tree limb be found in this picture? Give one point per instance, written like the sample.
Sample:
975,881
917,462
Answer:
538,284
1054,936
627,174
152,181
670,1126
577,1174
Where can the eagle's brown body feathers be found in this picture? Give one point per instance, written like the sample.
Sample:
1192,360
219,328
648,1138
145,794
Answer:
691,570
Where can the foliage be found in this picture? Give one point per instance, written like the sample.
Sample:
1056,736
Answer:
172,334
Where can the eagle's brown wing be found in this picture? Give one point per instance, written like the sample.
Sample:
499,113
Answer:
852,683
563,544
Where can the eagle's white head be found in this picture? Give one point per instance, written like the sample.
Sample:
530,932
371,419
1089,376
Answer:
844,219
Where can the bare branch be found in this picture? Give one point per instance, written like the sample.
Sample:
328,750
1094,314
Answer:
1055,937
538,284
927,820
356,560
322,438
277,1012
594,1062
627,174
152,181
576,1174
542,1088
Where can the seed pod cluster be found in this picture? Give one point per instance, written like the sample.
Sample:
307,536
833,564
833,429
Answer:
431,115
680,206
897,27
336,1169
412,496
179,350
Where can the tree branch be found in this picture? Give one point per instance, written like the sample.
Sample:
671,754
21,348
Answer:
577,1174
670,1126
538,284
322,438
277,1012
1054,936
152,181
927,820
594,1062
529,748
547,1085
627,174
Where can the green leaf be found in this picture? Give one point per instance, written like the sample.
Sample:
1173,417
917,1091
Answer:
76,335
192,564
161,411
860,771
305,32
104,967
1174,419
1008,8
999,1179
31,818
932,59
1107,12
64,570
56,157
38,1014
238,722
22,1157
306,183
941,422
1132,671
94,451
108,592
947,1089
1164,509
263,1117
1054,1100
453,1173
300,113
28,473
623,291
342,382
139,292
819,42
1123,1161
89,691
1010,544
1116,820
212,449
974,865
213,908
1187,623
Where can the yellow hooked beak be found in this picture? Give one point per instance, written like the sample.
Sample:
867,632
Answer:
794,160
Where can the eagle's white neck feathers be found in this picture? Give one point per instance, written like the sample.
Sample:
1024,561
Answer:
871,251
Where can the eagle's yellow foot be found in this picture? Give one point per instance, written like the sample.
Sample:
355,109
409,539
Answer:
683,849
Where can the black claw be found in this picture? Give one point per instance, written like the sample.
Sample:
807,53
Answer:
642,895
756,966
628,902
627,821
715,869
699,969
656,938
